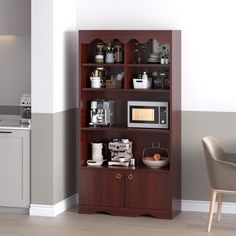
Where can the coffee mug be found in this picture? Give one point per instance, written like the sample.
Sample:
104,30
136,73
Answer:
96,82
109,58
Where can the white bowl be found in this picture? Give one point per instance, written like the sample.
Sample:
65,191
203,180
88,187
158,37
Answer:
156,164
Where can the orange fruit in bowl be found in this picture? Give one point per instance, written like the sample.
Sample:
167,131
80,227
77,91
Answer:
156,157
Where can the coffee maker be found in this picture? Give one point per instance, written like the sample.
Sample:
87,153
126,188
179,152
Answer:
25,109
121,152
102,113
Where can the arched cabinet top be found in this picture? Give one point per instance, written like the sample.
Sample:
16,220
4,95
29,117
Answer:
125,36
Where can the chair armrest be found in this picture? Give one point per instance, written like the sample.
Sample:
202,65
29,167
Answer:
230,157
223,175
227,163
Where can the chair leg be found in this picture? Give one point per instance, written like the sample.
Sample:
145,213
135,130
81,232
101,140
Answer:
211,211
220,199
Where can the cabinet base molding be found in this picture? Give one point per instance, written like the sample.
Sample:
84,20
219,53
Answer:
53,210
14,210
162,214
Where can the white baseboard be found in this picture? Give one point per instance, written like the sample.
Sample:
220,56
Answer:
203,206
53,210
187,205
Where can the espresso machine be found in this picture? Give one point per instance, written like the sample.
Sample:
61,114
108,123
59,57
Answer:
102,113
121,152
25,109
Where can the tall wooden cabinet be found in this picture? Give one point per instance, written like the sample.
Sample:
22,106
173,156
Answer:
138,190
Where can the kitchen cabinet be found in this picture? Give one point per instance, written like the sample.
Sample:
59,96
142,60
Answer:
102,188
15,168
139,192
131,191
147,190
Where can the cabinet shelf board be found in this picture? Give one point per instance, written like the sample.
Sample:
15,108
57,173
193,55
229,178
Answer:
104,64
165,170
149,65
124,129
128,65
126,90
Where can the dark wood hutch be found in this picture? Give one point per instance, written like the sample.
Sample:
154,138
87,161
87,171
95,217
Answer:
124,190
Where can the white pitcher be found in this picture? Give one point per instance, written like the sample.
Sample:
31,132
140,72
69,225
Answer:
97,151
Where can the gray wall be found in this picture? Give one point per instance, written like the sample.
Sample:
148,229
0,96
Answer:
15,53
15,16
42,159
53,158
15,78
64,154
195,125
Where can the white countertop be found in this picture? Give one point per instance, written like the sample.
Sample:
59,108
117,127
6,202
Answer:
12,122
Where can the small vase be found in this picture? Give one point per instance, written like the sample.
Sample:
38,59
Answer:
162,60
166,61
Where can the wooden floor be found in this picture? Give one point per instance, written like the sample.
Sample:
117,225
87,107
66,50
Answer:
71,223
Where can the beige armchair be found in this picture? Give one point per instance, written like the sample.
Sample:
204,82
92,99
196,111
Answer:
221,167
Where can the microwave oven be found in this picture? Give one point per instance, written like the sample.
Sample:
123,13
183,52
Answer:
147,114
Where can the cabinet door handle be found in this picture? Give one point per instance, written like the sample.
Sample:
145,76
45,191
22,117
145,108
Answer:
130,176
5,132
118,176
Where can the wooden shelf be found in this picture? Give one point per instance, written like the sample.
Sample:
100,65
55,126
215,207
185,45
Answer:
126,90
128,65
150,65
136,168
138,190
125,130
104,64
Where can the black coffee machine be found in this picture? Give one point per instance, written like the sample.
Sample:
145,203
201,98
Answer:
25,109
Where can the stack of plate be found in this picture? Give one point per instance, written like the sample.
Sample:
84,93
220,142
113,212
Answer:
154,58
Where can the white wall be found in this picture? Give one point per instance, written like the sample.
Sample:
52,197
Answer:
64,54
42,55
208,41
53,55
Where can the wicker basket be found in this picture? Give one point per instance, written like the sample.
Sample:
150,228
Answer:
155,149
149,152
114,84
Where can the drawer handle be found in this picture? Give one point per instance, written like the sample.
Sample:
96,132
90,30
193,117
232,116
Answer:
130,176
5,132
118,176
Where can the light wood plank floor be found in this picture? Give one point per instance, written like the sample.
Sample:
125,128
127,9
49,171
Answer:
71,223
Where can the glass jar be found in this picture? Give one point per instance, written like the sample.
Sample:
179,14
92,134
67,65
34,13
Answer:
118,51
99,58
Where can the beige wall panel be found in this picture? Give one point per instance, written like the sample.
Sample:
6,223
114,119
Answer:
195,125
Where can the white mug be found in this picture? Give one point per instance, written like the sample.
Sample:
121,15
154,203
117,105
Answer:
96,82
109,58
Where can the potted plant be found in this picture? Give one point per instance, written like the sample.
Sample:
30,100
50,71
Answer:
164,52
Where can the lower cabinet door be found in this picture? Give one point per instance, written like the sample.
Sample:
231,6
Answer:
101,188
15,168
147,190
